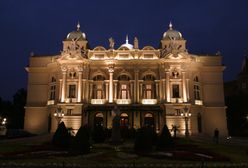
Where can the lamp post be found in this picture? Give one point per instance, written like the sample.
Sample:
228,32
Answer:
59,114
186,114
3,129
4,121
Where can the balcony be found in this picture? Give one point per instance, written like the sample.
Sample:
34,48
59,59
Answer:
198,102
71,100
123,101
98,101
50,102
149,101
176,100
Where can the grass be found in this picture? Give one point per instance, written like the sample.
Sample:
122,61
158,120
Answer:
107,153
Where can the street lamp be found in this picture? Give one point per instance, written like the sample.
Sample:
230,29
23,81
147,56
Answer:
3,129
186,114
59,114
4,122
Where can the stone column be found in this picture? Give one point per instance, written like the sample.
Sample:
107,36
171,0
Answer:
89,90
187,80
83,90
115,94
160,90
111,73
184,88
79,95
60,89
136,85
164,89
140,91
157,91
63,91
168,97
131,92
107,91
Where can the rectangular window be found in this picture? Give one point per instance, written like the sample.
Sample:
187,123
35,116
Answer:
197,92
175,91
123,91
148,91
72,91
99,94
52,92
69,111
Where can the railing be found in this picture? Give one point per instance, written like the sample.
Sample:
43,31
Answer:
176,100
149,101
98,101
50,102
71,100
123,101
198,102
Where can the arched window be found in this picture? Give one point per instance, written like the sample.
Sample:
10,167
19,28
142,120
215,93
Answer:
124,120
197,90
98,120
99,78
149,120
124,77
149,77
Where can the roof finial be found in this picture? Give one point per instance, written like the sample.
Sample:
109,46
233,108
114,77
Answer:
78,26
170,25
127,39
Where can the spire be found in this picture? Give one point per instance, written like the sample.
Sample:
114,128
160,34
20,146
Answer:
127,39
78,26
170,26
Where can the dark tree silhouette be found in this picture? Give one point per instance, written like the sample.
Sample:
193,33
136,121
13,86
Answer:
165,141
61,137
81,142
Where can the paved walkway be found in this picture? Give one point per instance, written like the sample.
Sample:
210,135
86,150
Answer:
240,141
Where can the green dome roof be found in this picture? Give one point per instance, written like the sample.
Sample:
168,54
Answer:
78,35
172,34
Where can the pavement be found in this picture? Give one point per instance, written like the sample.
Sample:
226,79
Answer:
239,141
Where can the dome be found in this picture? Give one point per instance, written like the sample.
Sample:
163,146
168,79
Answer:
172,34
76,34
129,46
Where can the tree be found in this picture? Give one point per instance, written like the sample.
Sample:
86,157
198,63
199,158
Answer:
61,137
144,140
19,102
98,134
165,141
81,141
237,111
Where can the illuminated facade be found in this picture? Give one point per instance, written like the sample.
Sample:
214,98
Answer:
151,87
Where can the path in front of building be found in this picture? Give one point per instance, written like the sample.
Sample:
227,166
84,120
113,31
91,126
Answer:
240,141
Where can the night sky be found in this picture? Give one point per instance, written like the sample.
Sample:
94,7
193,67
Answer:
40,26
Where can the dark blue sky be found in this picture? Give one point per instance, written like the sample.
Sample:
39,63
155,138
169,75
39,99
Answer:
40,26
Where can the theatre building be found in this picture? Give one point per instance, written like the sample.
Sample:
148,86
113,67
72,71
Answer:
150,86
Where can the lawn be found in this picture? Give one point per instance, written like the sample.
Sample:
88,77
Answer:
37,150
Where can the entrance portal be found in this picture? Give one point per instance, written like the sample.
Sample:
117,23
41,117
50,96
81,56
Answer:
124,122
98,120
149,120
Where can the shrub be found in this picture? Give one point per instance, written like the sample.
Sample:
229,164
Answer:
165,141
81,141
61,137
98,134
143,140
